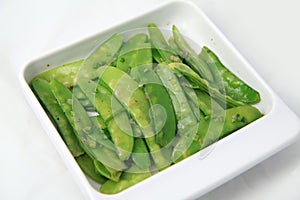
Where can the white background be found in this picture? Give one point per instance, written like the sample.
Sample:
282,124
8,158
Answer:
265,32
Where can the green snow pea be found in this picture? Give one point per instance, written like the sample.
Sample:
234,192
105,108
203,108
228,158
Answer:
113,114
42,89
163,117
87,165
207,104
87,135
65,74
229,83
107,171
191,57
101,56
127,180
135,52
221,124
141,156
162,52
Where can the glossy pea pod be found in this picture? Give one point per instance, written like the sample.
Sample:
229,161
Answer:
103,55
133,98
42,89
162,53
87,135
221,124
163,113
114,115
87,165
228,82
106,171
135,52
191,57
66,74
186,120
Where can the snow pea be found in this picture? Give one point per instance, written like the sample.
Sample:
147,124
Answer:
221,124
230,83
42,89
207,104
163,53
65,74
113,114
135,52
127,180
191,57
164,116
140,155
107,171
87,165
87,135
101,56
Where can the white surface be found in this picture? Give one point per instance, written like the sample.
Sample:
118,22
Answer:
266,33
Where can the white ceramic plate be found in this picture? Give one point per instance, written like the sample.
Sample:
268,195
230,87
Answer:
212,166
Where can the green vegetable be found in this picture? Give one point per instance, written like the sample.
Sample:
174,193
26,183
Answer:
87,166
141,156
42,89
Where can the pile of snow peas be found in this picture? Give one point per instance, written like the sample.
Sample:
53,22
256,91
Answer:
133,108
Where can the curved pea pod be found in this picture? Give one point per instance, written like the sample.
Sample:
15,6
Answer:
162,110
42,89
207,104
127,180
101,56
107,172
233,86
87,166
204,85
163,53
132,97
88,136
65,74
114,115
191,57
135,52
141,156
221,124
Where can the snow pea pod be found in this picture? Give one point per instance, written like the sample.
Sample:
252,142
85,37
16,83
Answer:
191,57
127,180
42,89
113,114
65,74
164,116
221,124
101,56
87,135
141,156
207,104
87,165
163,54
135,52
107,171
231,84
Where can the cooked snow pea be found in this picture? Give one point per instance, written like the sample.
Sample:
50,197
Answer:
87,165
114,115
127,180
103,55
87,135
42,89
191,57
207,104
140,155
163,53
65,74
128,92
186,120
135,52
221,124
233,86
107,171
204,85
164,116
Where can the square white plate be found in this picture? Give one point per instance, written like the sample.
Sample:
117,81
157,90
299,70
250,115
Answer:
210,167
